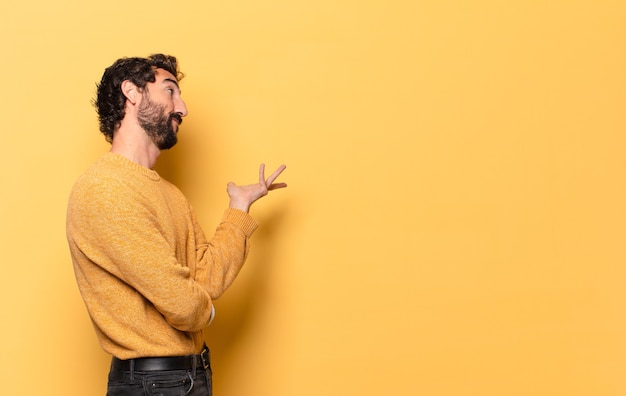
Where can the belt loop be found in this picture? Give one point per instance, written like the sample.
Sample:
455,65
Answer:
206,361
194,364
132,369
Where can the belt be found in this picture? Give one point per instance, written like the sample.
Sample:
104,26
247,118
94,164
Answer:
163,363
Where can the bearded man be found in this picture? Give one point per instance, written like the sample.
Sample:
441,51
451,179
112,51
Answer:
146,271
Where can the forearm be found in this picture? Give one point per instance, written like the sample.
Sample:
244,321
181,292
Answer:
221,259
239,203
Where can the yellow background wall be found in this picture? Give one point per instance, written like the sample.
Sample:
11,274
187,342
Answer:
455,222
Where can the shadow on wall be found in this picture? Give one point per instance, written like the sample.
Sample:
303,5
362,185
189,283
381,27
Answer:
240,305
187,164
239,310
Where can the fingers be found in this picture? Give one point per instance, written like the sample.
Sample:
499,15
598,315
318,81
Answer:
268,184
276,185
262,174
274,175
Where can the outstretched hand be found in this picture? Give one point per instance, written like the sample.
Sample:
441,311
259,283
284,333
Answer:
241,197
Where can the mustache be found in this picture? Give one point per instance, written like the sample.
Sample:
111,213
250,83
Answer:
177,117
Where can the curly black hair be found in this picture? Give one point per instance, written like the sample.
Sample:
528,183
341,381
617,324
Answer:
110,101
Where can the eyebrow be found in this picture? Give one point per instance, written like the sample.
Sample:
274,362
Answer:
172,81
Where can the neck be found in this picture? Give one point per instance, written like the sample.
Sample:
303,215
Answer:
133,143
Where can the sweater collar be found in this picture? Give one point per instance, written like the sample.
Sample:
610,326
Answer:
133,166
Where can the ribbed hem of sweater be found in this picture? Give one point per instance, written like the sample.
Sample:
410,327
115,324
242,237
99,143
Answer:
240,219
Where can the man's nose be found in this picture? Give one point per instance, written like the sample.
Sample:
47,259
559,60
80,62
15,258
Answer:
181,108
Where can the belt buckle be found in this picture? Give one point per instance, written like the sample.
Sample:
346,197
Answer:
204,355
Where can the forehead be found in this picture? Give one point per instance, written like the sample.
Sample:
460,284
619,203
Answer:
164,75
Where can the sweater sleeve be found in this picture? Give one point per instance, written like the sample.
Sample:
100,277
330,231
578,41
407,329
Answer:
124,237
221,258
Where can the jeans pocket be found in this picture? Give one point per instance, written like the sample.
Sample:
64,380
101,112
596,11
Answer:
169,384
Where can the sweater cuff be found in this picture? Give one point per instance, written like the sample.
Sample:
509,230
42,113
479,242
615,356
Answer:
212,314
241,219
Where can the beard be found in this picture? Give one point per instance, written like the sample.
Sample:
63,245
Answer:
158,124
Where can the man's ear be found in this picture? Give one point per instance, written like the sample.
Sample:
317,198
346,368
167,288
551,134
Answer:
131,91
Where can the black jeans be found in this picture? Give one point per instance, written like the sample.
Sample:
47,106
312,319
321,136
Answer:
188,382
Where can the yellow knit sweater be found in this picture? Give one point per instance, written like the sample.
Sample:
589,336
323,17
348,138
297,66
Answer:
143,265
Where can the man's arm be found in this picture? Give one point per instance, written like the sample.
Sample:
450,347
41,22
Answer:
221,259
123,238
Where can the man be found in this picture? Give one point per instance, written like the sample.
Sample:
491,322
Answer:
143,265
